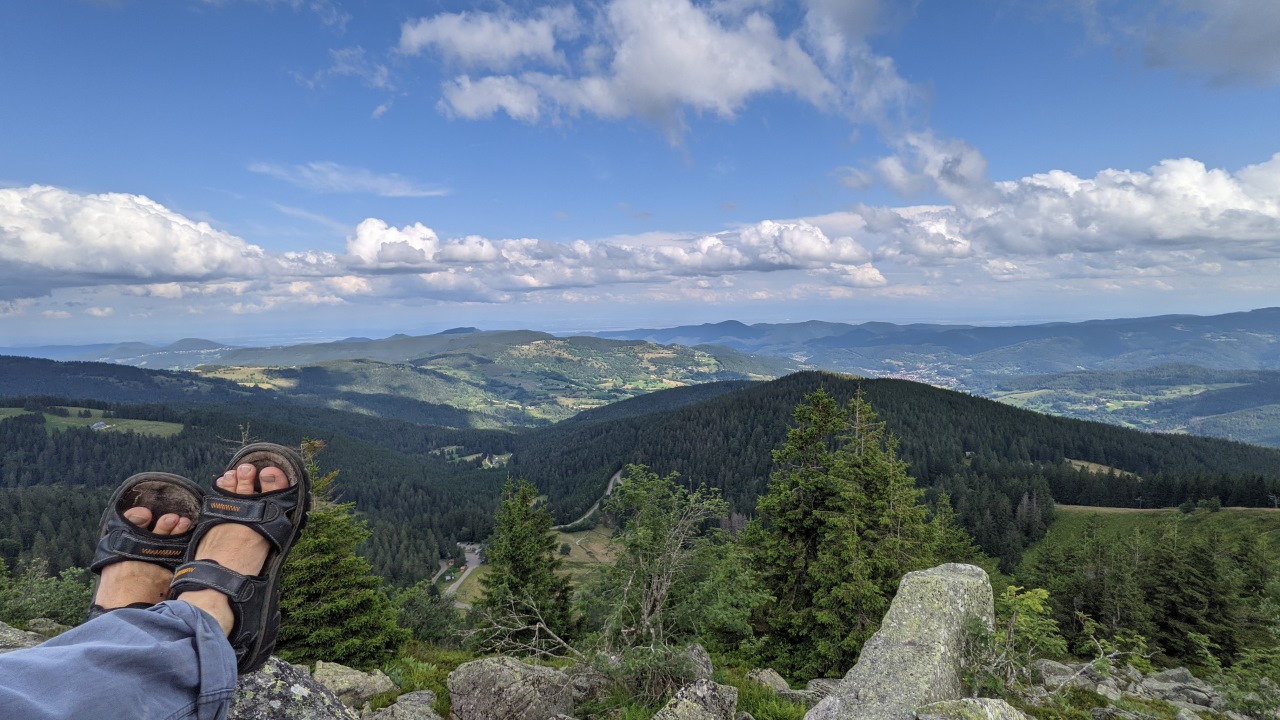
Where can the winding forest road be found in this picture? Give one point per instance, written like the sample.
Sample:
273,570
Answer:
613,482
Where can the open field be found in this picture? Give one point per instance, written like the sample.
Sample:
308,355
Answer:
142,427
1096,468
586,550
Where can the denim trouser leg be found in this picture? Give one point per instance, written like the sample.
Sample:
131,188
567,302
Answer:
166,662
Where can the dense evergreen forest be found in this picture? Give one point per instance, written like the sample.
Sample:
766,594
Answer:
1003,467
424,488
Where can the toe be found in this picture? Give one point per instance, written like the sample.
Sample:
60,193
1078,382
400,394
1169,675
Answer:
167,524
273,478
139,516
246,474
227,481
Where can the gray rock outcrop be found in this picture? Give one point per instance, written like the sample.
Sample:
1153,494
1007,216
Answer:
353,687
700,662
970,709
703,700
46,627
280,691
915,659
502,687
769,678
14,639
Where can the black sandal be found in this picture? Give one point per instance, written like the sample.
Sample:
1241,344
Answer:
120,540
279,516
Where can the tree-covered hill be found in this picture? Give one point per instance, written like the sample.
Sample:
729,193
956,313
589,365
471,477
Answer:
1002,466
424,487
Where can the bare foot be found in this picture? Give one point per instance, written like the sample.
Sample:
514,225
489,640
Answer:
233,546
133,581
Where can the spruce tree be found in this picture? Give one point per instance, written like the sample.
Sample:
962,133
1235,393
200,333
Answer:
525,607
839,526
332,604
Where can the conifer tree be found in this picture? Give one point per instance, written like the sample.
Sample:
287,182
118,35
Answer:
840,524
525,607
332,604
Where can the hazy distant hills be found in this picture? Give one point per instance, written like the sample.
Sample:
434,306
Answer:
459,378
951,355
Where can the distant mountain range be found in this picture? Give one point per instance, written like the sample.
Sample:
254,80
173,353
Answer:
1213,375
952,355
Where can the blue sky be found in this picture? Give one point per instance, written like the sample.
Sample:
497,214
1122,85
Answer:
251,170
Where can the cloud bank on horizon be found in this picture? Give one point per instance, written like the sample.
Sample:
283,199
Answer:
917,218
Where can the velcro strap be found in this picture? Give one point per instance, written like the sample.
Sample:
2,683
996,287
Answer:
122,541
209,575
239,509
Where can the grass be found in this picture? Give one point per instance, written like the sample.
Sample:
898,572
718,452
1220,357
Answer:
761,702
423,667
1097,468
142,427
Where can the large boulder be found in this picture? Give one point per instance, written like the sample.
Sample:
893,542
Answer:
769,678
280,691
703,700
353,688
700,662
916,657
502,687
14,639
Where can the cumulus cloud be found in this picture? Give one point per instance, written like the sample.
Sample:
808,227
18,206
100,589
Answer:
1177,217
479,267
654,59
50,237
491,41
329,177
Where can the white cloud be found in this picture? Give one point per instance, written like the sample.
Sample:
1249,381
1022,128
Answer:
491,41
352,62
99,312
329,177
56,314
1178,217
648,58
50,237
478,268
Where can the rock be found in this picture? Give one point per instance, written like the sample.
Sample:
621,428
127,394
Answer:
744,715
353,687
46,627
14,639
1053,674
915,659
970,709
1108,691
417,705
1193,696
700,660
587,683
703,700
1179,675
280,691
769,678
1185,714
502,687
1132,673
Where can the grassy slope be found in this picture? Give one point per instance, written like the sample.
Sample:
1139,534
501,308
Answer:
142,427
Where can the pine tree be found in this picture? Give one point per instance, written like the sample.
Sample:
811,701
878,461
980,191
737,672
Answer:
525,607
840,524
332,604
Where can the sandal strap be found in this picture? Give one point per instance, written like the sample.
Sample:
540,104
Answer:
247,596
265,514
121,543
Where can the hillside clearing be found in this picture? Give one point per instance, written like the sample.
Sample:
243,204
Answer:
58,422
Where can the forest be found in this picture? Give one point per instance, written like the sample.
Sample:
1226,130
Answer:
1003,468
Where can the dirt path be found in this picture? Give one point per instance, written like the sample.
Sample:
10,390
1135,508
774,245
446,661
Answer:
613,482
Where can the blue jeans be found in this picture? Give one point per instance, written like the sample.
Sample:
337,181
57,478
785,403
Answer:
168,662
